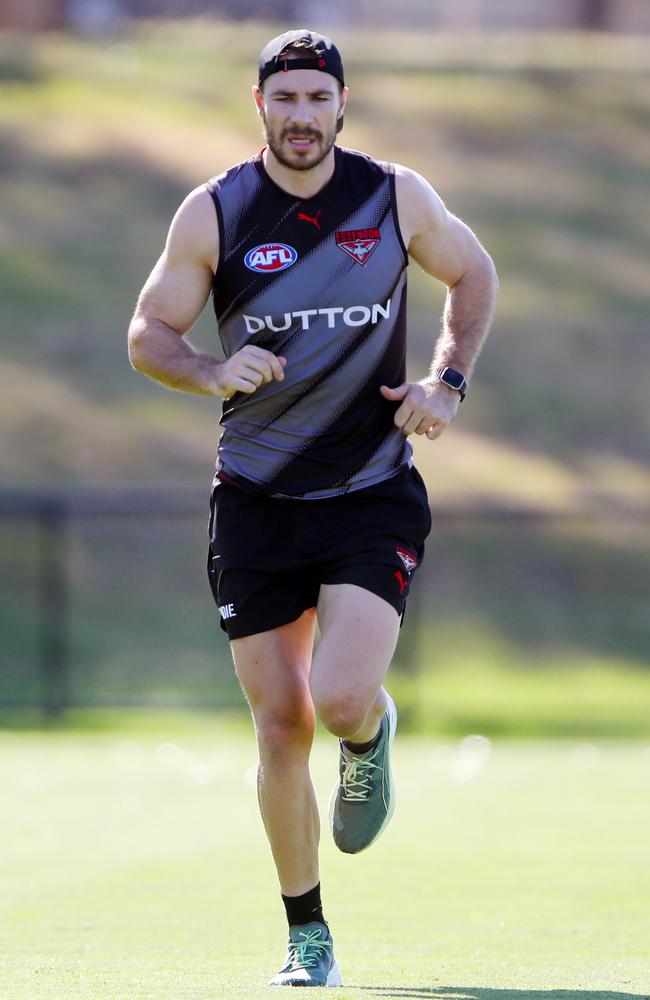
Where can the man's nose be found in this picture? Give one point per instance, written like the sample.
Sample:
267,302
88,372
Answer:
302,113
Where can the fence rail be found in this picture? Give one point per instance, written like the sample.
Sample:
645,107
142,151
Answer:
52,517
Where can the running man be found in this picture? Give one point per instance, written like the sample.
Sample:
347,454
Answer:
317,513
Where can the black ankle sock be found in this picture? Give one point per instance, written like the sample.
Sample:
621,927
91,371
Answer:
306,908
365,747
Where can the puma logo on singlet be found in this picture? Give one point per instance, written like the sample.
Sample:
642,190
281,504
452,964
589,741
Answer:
308,218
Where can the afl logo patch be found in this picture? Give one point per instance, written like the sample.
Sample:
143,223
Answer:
270,257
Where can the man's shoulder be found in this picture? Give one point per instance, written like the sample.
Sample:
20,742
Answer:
406,177
415,192
356,158
239,171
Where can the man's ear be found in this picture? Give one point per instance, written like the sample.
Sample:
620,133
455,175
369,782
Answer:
258,97
342,103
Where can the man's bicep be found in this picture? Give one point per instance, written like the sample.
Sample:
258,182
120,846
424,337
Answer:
446,250
175,293
438,241
179,285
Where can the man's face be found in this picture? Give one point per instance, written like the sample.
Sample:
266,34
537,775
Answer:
300,111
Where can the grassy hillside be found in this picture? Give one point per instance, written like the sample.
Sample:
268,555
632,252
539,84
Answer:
540,144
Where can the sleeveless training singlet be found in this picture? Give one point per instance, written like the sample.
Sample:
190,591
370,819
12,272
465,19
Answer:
322,282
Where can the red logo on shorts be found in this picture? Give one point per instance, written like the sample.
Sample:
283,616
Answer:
403,584
409,560
358,243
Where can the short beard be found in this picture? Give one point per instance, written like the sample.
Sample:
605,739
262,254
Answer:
275,145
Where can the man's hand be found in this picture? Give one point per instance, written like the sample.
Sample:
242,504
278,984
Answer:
427,407
247,370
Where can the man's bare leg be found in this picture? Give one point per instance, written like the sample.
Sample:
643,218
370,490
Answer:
359,633
273,669
358,637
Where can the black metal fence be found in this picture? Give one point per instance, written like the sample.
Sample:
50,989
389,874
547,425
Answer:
104,598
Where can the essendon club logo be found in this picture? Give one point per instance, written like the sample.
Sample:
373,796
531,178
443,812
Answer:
409,560
358,243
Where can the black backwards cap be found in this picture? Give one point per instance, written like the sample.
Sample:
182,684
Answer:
327,60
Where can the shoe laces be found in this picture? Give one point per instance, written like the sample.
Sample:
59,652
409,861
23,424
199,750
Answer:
305,954
357,777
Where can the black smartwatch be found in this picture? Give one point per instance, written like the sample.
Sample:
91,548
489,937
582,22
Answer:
453,379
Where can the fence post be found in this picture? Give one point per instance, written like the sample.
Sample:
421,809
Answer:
595,15
53,599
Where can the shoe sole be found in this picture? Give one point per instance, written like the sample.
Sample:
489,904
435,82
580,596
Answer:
392,716
333,978
334,975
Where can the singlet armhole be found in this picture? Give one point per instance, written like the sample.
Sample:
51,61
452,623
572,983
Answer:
217,207
393,200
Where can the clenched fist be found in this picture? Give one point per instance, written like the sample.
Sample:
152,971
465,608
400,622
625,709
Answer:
247,370
427,407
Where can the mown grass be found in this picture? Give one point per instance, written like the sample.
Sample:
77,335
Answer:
134,865
510,696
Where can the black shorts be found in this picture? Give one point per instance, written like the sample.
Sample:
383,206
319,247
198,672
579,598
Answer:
268,556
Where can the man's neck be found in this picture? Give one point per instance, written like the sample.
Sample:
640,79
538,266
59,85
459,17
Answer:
301,183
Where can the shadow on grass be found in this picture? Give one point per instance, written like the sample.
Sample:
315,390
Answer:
472,993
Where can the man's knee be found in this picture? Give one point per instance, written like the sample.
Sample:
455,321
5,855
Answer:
342,715
283,738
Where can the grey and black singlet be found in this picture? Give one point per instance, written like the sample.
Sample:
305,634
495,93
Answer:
321,281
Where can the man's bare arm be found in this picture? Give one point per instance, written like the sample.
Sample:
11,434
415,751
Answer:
447,250
171,301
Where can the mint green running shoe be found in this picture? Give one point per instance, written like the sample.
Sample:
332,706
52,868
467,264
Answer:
363,801
310,958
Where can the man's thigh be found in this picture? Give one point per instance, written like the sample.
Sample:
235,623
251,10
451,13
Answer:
359,633
273,668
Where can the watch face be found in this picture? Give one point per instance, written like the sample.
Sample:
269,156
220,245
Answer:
453,378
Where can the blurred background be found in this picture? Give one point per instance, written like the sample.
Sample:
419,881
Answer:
530,615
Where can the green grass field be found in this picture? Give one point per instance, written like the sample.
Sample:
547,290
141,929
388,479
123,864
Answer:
134,865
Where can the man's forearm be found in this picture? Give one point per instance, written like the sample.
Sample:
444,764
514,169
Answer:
467,317
162,354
